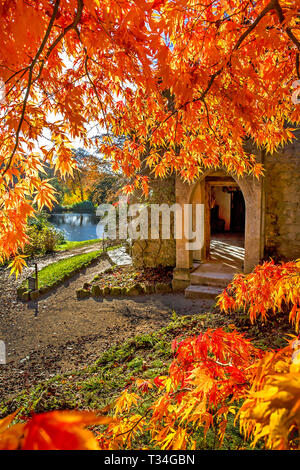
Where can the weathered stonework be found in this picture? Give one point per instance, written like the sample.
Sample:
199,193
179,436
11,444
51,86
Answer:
150,253
282,203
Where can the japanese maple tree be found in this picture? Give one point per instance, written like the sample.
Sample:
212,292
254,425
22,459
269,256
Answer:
184,82
267,290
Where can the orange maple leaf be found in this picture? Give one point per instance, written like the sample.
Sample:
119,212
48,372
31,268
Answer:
56,430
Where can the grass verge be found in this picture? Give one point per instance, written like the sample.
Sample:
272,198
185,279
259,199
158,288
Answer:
71,245
57,272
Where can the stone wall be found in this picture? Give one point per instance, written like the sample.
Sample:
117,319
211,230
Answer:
282,203
151,253
273,220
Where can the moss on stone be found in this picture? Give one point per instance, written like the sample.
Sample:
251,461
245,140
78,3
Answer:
116,291
162,288
139,288
34,295
106,291
26,296
96,291
149,289
132,291
82,293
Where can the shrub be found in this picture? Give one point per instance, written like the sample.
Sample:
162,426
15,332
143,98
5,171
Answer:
42,235
84,206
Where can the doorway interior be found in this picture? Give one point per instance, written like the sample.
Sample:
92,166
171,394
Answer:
225,215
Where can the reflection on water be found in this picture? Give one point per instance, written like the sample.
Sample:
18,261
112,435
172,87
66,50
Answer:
76,227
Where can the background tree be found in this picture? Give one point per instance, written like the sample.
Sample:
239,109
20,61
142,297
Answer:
85,176
92,180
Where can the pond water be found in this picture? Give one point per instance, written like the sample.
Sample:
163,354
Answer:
77,227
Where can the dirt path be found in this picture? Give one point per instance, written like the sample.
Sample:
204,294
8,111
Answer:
58,333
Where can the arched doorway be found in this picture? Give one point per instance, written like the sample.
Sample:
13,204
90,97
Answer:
253,237
225,216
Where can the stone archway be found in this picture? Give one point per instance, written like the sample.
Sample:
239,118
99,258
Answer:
253,197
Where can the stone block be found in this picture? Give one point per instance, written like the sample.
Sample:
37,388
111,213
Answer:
116,291
34,295
82,293
20,292
149,289
106,291
132,291
26,296
163,288
43,290
179,284
96,291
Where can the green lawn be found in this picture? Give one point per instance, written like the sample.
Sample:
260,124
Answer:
57,272
70,245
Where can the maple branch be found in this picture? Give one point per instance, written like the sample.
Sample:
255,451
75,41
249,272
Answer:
180,390
96,92
29,83
274,4
129,431
290,34
268,8
208,120
16,73
17,81
277,7
73,25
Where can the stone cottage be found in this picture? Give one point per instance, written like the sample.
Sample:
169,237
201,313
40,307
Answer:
244,221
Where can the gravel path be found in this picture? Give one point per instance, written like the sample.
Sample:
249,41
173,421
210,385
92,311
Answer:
58,333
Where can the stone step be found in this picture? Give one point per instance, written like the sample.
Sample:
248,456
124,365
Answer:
202,292
207,278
